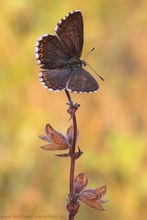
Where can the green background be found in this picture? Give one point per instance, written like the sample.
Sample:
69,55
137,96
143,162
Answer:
112,123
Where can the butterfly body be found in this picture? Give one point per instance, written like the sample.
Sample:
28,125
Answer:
74,63
60,55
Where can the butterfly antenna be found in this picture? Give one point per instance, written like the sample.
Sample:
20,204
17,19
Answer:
90,66
95,72
89,53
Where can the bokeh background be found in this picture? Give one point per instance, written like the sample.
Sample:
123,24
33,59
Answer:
112,123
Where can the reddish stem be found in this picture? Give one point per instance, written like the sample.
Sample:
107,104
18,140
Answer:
72,156
72,163
71,217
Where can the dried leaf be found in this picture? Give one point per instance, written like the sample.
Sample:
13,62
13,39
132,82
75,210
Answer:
101,190
63,155
58,139
50,147
44,138
78,153
49,129
93,197
69,135
80,182
95,204
55,139
90,194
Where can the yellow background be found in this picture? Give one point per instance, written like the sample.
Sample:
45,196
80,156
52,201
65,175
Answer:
112,123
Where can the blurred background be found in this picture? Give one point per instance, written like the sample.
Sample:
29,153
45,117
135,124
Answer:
112,123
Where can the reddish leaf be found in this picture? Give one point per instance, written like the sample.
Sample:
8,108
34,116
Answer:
69,135
55,139
44,138
93,197
80,182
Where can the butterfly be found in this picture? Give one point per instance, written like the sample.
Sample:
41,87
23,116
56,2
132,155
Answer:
60,54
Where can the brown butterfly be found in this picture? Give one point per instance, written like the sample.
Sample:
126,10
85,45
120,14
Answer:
60,54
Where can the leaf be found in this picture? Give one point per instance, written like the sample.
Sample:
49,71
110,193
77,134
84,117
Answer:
80,182
93,197
69,135
95,204
44,138
55,139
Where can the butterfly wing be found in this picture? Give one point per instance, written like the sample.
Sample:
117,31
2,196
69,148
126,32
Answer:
50,52
54,50
82,82
56,79
70,32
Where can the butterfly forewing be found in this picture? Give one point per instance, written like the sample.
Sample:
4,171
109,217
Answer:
50,52
70,32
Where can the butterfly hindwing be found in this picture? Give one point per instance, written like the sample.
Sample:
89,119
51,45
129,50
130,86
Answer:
56,79
82,82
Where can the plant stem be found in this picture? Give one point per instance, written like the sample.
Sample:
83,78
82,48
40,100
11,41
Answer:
72,163
72,156
71,217
69,97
